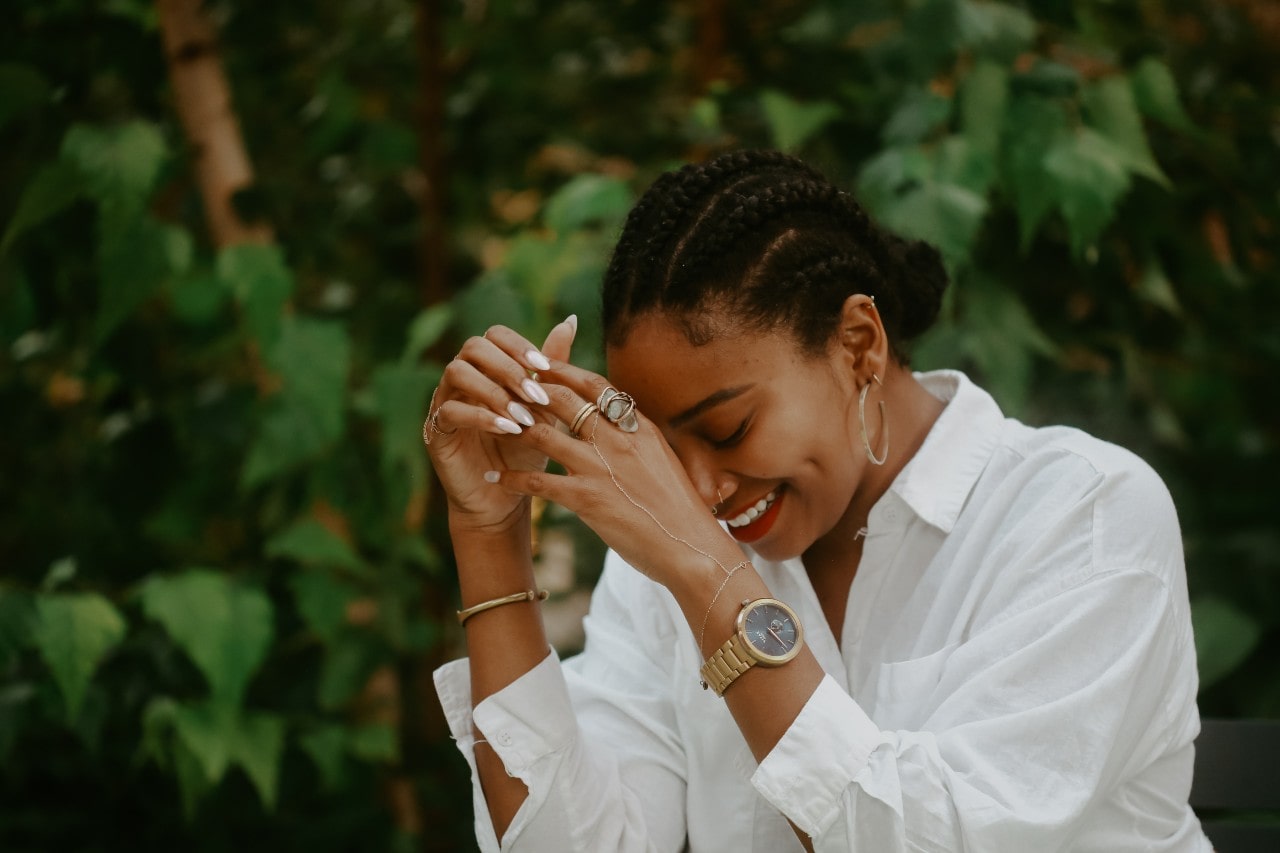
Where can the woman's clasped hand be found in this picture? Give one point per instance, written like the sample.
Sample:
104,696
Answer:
504,408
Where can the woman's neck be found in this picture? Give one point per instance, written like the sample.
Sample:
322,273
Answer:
910,412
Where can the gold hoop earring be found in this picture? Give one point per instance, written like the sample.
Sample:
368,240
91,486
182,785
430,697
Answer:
715,510
862,424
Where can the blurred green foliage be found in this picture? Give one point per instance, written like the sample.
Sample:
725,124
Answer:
224,578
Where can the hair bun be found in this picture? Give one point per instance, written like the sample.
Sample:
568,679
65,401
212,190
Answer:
921,281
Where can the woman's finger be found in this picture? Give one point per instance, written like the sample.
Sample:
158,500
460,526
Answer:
572,493
560,339
499,366
517,347
463,380
570,451
453,415
580,381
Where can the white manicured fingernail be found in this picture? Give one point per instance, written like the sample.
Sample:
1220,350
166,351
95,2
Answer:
492,476
534,392
520,413
537,360
507,425
572,322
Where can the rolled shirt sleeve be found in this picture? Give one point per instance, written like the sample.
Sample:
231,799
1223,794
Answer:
593,738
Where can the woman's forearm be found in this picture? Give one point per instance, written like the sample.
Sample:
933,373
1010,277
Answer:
503,643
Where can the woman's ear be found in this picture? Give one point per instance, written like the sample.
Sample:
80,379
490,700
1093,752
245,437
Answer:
862,339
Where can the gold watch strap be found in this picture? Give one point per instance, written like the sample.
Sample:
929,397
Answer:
725,665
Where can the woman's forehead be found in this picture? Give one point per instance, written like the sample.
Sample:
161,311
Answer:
667,374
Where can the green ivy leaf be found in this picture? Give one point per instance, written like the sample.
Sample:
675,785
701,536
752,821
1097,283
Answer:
792,123
312,544
22,90
1034,127
197,300
1224,634
326,746
258,746
73,633
984,98
120,164
401,393
347,666
588,200
375,743
945,215
705,115
192,781
493,298
1155,93
1155,288
1089,178
995,30
322,601
917,116
61,572
425,329
889,174
206,730
1003,340
136,256
957,161
223,625
1114,113
53,187
538,266
311,358
262,284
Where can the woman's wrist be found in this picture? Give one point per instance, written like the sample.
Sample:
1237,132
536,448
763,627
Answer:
493,560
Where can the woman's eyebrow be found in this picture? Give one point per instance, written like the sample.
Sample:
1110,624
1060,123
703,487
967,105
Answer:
711,400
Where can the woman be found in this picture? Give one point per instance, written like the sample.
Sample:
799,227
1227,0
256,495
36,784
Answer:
958,632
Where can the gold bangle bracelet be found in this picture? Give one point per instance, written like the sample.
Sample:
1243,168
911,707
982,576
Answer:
524,595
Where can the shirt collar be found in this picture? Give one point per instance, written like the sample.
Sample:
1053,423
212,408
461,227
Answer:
937,481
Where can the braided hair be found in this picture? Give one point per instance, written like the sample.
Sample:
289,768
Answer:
770,242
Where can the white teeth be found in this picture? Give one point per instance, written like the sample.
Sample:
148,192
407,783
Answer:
751,513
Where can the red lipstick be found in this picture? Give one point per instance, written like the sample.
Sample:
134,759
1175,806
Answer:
753,531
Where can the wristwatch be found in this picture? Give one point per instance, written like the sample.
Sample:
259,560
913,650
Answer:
767,632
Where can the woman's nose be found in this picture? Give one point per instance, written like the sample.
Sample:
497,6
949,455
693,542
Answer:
713,486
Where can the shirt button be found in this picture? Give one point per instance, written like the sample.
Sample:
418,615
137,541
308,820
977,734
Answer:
504,739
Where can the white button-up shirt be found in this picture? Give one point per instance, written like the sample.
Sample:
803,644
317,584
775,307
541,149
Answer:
1016,673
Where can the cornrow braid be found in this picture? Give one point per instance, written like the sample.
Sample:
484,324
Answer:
652,225
769,242
751,213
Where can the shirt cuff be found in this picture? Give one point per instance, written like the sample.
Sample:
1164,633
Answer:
807,771
527,720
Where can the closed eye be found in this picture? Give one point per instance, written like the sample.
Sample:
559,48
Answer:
738,434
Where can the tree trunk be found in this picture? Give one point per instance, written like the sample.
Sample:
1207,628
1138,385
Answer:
709,60
431,152
202,99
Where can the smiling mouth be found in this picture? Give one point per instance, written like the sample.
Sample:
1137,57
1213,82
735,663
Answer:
755,521
754,511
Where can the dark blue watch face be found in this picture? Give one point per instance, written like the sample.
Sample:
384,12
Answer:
771,630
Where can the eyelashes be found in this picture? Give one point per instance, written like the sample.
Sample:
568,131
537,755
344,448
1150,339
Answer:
732,440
